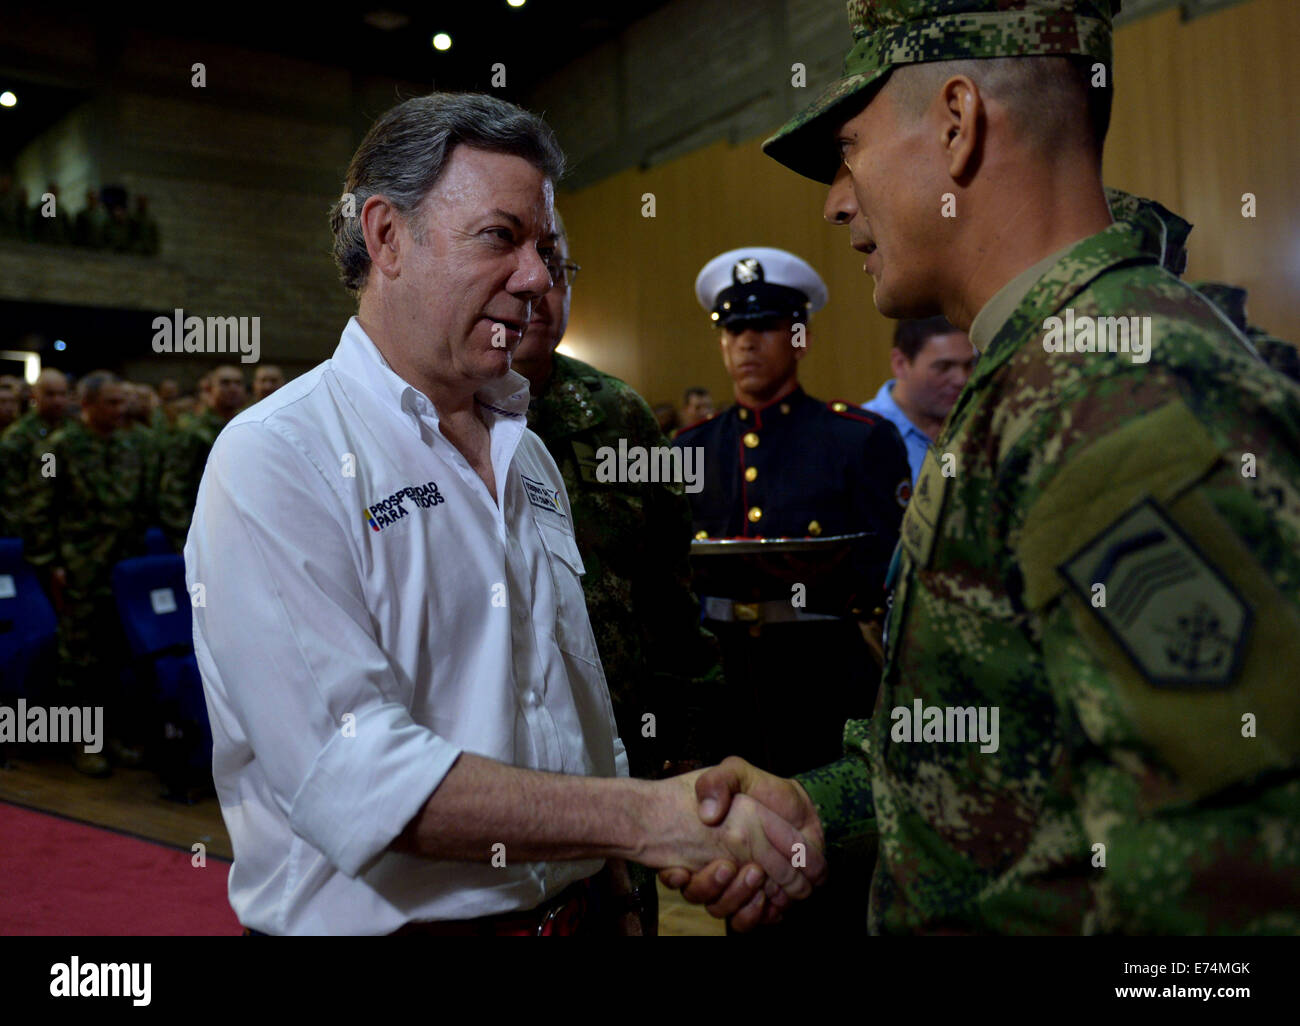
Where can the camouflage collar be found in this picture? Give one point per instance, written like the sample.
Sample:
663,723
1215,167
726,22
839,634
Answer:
567,404
1077,268
995,313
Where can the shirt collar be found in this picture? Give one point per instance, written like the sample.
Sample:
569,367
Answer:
790,399
995,313
359,357
1066,274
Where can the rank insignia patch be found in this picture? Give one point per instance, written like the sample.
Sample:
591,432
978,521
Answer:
1180,621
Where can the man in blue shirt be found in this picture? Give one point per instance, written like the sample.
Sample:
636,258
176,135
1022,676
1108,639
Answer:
931,361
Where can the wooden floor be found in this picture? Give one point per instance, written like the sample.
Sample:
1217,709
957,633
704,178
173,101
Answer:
130,801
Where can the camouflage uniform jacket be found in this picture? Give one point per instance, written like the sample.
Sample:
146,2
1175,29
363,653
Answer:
94,508
634,540
1164,228
181,462
18,466
1158,718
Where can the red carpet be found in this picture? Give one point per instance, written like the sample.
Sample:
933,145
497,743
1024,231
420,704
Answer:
63,878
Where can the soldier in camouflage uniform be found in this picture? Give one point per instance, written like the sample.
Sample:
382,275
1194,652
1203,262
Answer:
18,468
1104,549
634,540
186,449
1169,231
89,509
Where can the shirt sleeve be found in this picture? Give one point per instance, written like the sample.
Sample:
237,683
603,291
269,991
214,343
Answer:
287,649
841,793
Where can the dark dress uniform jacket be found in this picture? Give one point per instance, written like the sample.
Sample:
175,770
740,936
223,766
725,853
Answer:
800,467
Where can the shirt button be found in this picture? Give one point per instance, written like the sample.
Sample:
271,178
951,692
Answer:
750,440
785,407
531,697
814,528
744,415
839,407
751,473
755,514
701,535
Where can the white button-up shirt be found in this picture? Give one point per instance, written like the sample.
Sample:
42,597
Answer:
364,611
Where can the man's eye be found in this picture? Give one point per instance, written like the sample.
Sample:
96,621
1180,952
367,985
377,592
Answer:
504,234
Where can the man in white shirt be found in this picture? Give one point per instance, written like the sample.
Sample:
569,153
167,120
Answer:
411,723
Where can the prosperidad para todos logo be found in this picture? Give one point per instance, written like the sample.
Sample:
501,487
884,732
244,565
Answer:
383,512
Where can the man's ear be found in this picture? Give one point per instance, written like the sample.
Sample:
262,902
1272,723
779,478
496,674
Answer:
963,123
897,363
379,224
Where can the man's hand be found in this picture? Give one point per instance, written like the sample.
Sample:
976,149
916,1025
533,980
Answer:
745,832
746,897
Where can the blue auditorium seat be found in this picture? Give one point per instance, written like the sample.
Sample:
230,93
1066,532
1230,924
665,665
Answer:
156,543
28,625
155,609
153,603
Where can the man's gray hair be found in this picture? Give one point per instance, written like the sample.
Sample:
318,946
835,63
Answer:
407,149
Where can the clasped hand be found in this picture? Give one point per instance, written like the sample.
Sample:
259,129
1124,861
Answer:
754,845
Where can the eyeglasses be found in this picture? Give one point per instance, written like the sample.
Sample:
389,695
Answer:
563,275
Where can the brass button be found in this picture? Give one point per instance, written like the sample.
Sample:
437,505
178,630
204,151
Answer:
750,440
755,514
701,535
747,611
785,407
744,414
839,407
814,529
751,473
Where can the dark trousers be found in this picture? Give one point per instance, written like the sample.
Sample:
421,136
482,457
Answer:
790,688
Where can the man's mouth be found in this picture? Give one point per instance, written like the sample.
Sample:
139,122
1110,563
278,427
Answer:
513,328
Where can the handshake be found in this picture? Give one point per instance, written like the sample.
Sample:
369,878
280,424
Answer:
743,842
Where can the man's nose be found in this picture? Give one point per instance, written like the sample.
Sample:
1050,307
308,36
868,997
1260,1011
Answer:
531,277
841,204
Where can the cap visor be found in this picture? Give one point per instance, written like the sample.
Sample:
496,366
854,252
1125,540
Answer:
804,143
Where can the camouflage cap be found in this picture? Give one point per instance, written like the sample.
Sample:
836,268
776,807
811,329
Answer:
889,33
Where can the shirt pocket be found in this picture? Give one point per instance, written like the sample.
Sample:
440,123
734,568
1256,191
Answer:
572,625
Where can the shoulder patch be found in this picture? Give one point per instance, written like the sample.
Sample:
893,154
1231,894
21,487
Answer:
1176,616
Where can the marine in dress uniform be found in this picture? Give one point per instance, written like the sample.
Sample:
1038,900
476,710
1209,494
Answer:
781,464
